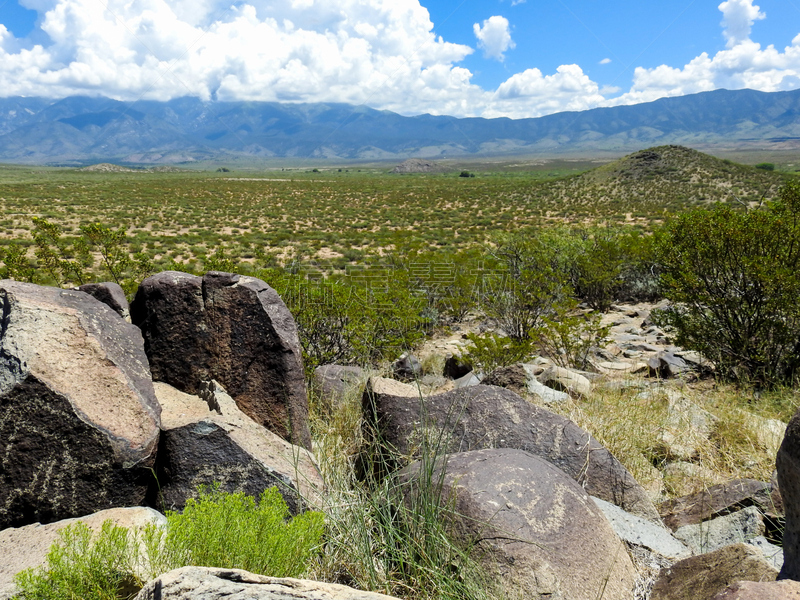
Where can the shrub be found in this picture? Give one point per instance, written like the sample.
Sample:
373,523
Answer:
82,565
216,530
525,286
765,166
234,531
488,351
733,278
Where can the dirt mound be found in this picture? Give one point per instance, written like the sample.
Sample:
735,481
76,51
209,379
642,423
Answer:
418,165
109,168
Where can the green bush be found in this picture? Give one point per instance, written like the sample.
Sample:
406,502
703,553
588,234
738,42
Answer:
83,565
488,351
234,531
734,279
216,530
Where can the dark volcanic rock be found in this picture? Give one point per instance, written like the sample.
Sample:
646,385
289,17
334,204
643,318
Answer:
110,294
703,576
483,416
534,528
78,416
788,465
331,382
233,329
715,501
204,446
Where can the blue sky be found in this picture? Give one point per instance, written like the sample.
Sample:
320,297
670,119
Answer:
516,58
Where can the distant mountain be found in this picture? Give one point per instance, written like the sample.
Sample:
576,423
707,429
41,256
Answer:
82,129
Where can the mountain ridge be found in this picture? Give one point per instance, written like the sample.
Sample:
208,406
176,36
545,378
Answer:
85,129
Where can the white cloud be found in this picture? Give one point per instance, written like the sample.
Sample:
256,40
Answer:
531,94
605,61
738,17
743,64
494,37
382,53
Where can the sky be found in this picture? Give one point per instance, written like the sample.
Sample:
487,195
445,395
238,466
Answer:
466,58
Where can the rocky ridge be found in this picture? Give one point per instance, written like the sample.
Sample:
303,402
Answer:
517,460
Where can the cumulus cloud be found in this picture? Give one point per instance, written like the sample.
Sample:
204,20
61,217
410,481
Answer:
382,53
373,51
605,61
742,64
494,37
738,17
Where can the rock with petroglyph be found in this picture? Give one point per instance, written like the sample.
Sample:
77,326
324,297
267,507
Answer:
231,328
207,440
485,416
211,583
79,418
27,547
534,528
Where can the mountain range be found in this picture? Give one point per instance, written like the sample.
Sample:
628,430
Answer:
80,129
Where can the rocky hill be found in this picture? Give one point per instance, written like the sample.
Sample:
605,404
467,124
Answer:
661,179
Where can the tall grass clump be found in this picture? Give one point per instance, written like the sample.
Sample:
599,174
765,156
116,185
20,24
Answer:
385,534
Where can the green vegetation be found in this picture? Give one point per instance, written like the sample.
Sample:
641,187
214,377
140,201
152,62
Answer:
734,280
386,534
216,530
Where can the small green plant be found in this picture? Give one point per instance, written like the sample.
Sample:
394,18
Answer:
217,529
765,166
234,531
568,336
83,565
488,351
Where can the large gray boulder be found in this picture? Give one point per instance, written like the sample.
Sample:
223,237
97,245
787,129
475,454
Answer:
788,465
208,441
231,328
484,416
534,529
209,583
27,547
79,420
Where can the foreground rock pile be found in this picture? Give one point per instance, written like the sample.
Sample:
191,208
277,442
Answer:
102,418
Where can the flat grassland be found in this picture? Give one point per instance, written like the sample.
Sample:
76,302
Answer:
331,218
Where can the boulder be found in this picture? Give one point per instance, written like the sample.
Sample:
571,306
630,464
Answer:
761,590
788,466
79,418
666,365
332,382
734,528
715,501
212,441
702,577
110,294
534,528
636,531
455,367
27,547
564,380
210,583
407,367
484,416
233,329
521,379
